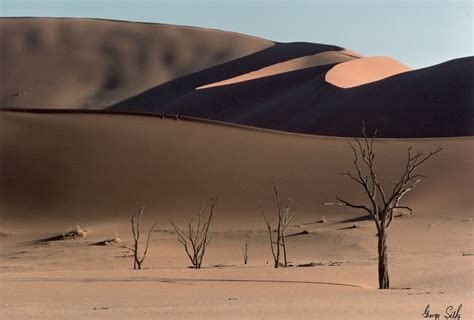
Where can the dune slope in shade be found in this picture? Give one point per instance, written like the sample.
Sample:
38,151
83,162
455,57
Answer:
87,63
154,99
328,57
430,102
82,168
299,87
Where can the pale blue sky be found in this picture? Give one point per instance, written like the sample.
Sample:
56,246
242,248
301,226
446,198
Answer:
419,33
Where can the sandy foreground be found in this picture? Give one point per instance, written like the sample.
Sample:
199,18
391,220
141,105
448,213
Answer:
97,170
72,279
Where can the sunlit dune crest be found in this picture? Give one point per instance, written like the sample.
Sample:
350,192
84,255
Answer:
287,66
361,71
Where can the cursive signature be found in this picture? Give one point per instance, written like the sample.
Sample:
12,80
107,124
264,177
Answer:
449,313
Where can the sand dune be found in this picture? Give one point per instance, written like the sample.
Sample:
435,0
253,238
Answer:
87,63
351,53
299,87
173,90
361,71
98,168
410,104
328,57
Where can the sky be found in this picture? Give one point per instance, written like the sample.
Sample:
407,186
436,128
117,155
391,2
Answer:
418,33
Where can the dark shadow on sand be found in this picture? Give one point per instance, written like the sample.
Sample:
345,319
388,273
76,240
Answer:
70,235
349,228
182,281
356,219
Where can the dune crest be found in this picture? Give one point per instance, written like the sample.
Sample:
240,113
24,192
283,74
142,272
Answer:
365,70
92,64
351,53
314,60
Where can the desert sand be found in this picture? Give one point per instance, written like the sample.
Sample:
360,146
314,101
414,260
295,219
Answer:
298,86
94,164
404,105
93,167
318,59
99,118
365,70
92,63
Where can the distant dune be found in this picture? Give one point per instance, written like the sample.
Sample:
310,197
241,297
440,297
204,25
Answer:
175,89
318,59
298,87
430,102
91,64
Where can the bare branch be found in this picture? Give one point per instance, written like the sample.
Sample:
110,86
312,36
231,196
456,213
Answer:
383,204
135,222
284,217
405,208
196,239
147,242
345,203
270,234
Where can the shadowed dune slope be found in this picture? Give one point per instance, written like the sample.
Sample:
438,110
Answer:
154,99
431,102
298,87
91,63
314,60
67,168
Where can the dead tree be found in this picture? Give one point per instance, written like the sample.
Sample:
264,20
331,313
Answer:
195,238
135,221
382,204
245,251
284,218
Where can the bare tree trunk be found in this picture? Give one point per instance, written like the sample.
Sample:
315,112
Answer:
283,244
136,265
135,221
196,238
382,205
384,282
245,251
284,219
277,259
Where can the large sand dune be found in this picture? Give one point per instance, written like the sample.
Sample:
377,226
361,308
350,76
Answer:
78,167
299,87
430,102
253,63
318,59
91,64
